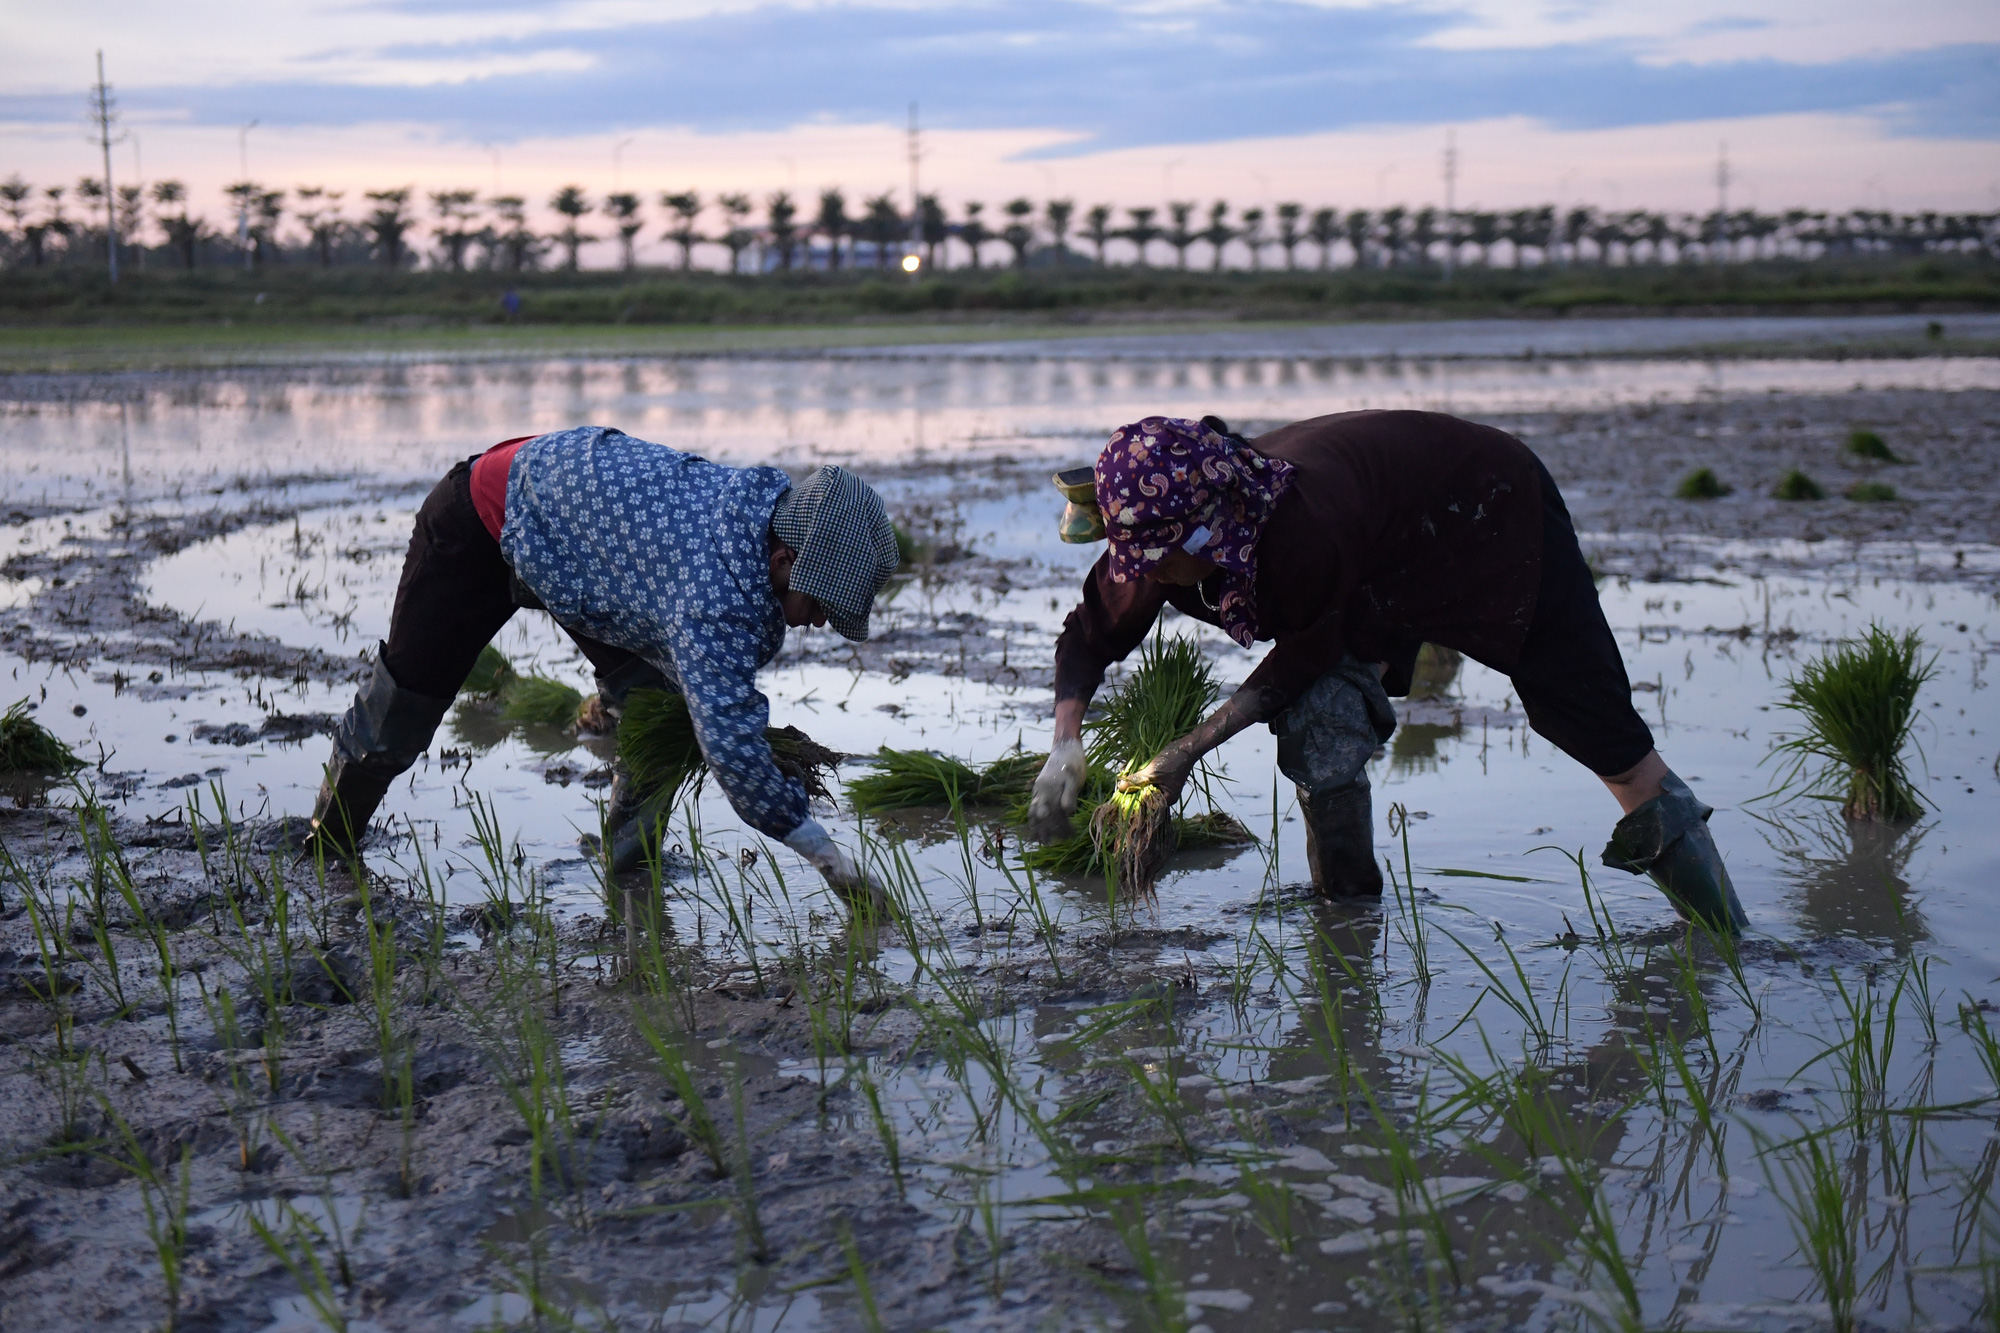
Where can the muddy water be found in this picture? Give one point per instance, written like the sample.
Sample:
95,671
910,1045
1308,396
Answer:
1489,811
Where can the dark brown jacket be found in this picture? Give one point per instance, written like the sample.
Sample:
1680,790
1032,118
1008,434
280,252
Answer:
1398,528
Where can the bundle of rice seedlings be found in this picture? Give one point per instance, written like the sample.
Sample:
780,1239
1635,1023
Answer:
656,743
1871,492
1796,485
1169,694
908,778
490,674
1867,444
26,746
1701,484
538,699
1858,702
1214,829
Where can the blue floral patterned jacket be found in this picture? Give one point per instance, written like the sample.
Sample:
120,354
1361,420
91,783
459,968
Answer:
666,555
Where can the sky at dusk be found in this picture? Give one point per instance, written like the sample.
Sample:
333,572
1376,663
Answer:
1623,103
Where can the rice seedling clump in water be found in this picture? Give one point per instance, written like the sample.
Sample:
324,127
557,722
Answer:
26,746
1871,492
537,699
1701,484
1796,485
907,778
1858,702
490,673
1867,444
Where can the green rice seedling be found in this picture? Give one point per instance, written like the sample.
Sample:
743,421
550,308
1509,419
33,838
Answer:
1701,484
1161,1302
163,1194
657,744
670,1058
541,701
1028,893
1522,1000
1796,485
906,779
1872,493
490,674
392,1043
295,1243
119,873
107,870
1409,913
863,1077
871,1316
1861,1055
1866,444
1825,1221
1159,1086
1274,1206
245,1115
1985,1043
743,1173
27,747
1169,693
1917,976
48,927
1858,702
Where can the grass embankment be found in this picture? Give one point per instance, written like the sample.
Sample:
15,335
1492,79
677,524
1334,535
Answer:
293,295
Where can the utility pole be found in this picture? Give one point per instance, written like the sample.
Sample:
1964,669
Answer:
102,115
1450,202
916,200
1722,196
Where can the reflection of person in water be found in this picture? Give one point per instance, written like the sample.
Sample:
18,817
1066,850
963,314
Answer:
669,571
1348,541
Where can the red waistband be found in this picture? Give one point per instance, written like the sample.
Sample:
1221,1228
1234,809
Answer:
489,483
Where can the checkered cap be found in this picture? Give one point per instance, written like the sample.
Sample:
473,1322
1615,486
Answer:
844,544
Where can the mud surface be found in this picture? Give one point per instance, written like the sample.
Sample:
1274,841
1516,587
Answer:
1024,1104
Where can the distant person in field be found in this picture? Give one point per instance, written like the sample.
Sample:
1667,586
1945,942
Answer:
1348,542
669,572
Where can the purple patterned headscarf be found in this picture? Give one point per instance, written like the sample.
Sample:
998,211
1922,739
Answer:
1165,484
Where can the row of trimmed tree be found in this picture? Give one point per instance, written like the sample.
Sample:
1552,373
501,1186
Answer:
59,225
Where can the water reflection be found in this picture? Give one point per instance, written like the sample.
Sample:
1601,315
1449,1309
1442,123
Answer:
1850,877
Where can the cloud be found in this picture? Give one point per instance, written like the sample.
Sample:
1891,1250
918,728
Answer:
1108,77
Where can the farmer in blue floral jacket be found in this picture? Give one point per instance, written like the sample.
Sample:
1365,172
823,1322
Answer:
668,570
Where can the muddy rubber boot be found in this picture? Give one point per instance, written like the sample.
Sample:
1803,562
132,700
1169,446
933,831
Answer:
1667,838
1340,841
631,823
381,735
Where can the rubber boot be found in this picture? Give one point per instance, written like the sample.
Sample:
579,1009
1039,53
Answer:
1340,841
1667,838
631,823
381,735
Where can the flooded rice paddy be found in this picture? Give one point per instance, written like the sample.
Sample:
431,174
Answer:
1512,1095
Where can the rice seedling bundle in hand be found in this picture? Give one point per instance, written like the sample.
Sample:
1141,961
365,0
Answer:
657,745
26,746
1858,703
1169,694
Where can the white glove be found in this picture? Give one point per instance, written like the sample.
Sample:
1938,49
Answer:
817,846
1056,790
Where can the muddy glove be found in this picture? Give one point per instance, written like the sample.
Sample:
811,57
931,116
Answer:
1056,790
845,878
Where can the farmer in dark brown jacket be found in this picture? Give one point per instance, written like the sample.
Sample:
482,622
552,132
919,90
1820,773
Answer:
1348,541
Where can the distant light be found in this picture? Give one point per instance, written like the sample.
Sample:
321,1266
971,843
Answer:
911,263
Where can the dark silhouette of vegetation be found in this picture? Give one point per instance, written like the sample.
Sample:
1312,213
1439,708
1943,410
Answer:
1796,485
1701,484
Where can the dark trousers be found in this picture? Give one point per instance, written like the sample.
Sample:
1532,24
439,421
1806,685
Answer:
456,593
1570,676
